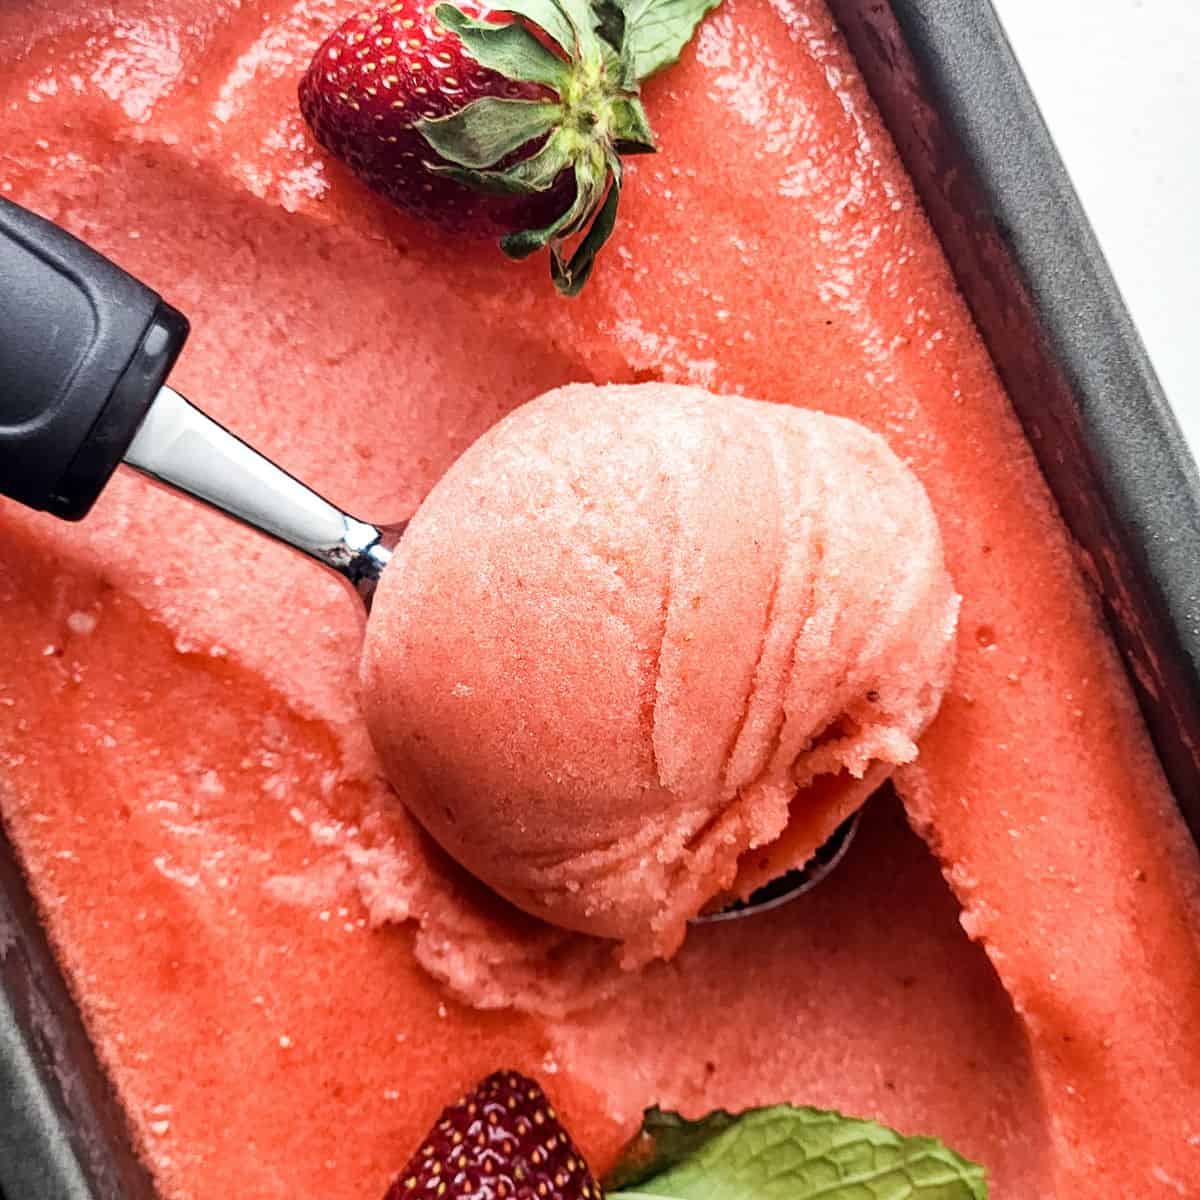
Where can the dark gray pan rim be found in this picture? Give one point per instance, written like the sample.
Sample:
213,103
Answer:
1028,264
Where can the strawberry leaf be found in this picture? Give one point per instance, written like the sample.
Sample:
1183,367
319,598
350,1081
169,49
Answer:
589,191
536,173
569,276
631,127
547,15
509,49
656,32
483,132
787,1153
610,22
583,22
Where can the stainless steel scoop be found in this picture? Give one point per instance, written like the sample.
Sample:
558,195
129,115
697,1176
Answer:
180,447
795,883
85,350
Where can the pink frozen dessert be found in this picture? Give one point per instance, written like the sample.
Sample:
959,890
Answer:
636,630
283,976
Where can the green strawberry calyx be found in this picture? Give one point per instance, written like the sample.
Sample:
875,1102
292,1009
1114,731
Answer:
592,57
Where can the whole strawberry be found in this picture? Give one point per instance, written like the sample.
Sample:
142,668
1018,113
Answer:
504,122
502,1141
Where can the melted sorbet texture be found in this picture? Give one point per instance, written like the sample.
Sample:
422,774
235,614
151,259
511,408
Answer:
286,979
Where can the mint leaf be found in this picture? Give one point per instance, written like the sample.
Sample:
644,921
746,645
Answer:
665,1139
656,32
787,1153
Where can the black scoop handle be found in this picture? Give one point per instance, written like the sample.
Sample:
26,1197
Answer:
84,349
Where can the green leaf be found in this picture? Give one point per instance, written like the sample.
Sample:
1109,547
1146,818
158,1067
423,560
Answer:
486,130
570,276
533,174
610,22
569,22
787,1153
665,1139
583,22
547,15
631,127
656,32
588,193
510,49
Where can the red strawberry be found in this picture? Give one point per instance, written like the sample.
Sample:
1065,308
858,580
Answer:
382,71
506,121
503,1141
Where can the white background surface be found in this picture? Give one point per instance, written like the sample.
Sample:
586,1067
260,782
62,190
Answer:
1119,84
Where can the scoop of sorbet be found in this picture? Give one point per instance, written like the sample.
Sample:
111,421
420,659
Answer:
644,646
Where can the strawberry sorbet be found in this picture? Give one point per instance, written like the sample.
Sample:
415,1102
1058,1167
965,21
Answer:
632,626
285,977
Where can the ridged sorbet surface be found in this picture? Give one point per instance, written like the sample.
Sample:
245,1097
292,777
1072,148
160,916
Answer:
635,629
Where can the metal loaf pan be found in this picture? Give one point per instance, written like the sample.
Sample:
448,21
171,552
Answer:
1025,258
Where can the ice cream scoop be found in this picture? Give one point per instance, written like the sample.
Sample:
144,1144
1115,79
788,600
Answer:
85,351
